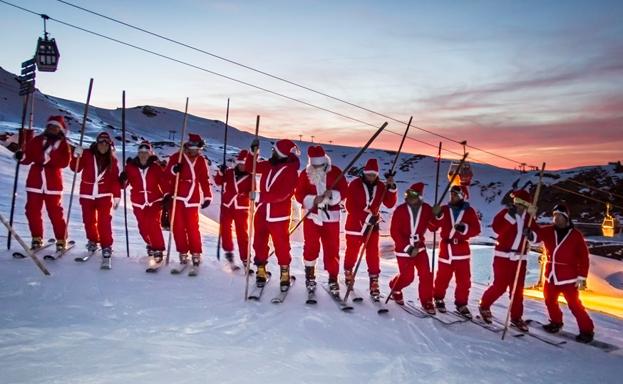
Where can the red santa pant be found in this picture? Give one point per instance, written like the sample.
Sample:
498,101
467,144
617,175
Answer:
329,234
97,219
405,275
279,232
186,229
34,205
462,272
148,219
503,279
240,219
571,294
353,246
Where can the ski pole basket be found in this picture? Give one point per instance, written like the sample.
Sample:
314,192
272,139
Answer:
47,53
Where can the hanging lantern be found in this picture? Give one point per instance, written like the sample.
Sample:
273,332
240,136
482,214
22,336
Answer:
47,53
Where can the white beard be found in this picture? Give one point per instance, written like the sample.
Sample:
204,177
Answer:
318,178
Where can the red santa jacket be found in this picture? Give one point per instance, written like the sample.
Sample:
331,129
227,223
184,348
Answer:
194,185
148,183
276,186
361,205
567,258
508,231
235,189
47,159
313,182
407,230
455,245
96,183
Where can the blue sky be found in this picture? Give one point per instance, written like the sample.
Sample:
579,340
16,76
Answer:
532,80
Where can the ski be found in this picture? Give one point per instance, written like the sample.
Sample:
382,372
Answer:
256,293
194,271
566,335
534,335
337,299
20,255
106,263
87,256
381,308
413,312
355,296
441,317
154,266
283,294
179,269
58,255
311,296
233,266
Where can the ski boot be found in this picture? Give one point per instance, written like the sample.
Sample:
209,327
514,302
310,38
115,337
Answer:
106,252
196,259
183,258
36,243
260,276
91,246
429,308
310,278
397,297
229,256
158,257
150,251
375,291
486,315
284,279
349,280
61,245
552,327
440,305
520,324
463,310
334,286
585,337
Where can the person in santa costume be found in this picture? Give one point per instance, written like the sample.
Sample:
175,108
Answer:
409,224
47,154
314,193
193,192
273,204
100,190
566,271
236,184
458,222
363,204
145,174
510,226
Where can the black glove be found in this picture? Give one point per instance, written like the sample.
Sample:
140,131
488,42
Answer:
123,177
437,211
205,204
255,144
177,168
460,227
222,168
166,199
19,155
389,174
512,210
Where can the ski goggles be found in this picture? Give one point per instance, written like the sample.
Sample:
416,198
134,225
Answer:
144,148
411,194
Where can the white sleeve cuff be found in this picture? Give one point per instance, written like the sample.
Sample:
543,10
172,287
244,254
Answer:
308,201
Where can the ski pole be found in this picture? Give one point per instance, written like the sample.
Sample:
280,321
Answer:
125,195
251,211
218,242
436,195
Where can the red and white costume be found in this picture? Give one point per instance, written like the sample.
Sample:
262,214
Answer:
454,252
99,185
408,228
363,203
235,207
148,183
273,202
47,156
508,229
567,261
321,225
193,190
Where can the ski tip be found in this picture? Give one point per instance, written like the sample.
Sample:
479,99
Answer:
17,255
382,311
357,299
347,308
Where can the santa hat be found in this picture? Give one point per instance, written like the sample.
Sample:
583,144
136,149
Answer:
561,209
145,146
242,156
415,190
194,142
58,121
521,197
457,189
104,136
317,155
371,167
284,147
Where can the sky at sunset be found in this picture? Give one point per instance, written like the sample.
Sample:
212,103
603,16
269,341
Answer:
532,81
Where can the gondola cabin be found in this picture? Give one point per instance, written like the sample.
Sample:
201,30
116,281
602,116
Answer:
47,53
464,176
610,224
